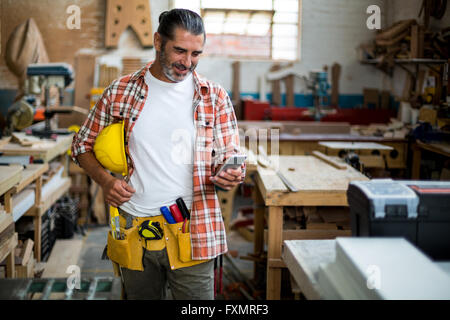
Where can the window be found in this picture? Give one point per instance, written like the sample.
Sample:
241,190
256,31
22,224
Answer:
263,29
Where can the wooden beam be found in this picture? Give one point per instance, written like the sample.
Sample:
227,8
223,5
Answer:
290,95
314,234
330,161
274,252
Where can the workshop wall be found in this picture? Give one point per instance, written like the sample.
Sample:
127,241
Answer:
402,10
331,32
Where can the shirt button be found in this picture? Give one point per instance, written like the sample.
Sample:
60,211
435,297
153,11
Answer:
173,267
142,97
167,238
207,122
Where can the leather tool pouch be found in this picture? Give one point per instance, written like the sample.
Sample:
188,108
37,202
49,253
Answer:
183,241
128,251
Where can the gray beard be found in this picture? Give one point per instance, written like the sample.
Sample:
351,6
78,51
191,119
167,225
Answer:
169,72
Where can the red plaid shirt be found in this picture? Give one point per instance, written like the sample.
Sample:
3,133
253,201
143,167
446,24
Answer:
217,138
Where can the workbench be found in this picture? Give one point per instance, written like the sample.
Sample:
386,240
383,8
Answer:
45,150
301,138
319,184
45,195
442,148
370,154
9,176
303,258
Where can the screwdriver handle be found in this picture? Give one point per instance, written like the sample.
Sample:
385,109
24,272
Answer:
183,209
176,213
166,213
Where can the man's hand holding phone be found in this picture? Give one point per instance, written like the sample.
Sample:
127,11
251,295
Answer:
230,173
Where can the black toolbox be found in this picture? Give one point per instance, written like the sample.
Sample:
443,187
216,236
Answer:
416,210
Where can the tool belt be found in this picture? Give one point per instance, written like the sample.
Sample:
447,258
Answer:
128,251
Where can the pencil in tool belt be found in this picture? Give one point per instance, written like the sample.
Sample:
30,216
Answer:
167,215
183,209
185,227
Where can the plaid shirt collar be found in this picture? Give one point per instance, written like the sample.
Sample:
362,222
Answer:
200,84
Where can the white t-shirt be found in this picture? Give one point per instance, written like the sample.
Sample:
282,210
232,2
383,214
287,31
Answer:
162,148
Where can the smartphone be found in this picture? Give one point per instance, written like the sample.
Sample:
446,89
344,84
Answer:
233,162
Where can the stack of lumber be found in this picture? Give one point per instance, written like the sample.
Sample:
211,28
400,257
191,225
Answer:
394,129
8,238
406,39
106,75
131,65
381,268
24,259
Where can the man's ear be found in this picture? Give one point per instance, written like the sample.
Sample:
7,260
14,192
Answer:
157,41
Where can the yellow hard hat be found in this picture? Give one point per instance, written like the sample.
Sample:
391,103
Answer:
109,148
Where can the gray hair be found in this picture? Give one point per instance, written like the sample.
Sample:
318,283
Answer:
181,18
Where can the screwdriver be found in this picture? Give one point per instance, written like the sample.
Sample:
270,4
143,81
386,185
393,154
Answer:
166,213
183,209
176,213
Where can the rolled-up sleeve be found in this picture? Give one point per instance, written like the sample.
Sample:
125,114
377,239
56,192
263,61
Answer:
98,118
226,133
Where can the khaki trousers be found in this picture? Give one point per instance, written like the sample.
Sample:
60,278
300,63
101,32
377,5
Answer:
189,283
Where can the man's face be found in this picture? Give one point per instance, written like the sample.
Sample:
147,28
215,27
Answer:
179,57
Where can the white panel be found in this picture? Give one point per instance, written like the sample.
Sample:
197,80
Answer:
238,4
285,17
286,5
284,30
193,5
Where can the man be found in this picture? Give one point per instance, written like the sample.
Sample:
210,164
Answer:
160,104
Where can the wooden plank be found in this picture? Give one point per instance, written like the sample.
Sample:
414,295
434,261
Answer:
6,220
345,145
26,271
7,233
37,221
121,14
330,161
46,151
274,252
276,263
289,84
27,252
335,74
64,254
312,234
8,201
9,176
51,197
276,88
258,222
29,174
57,192
236,88
319,184
8,246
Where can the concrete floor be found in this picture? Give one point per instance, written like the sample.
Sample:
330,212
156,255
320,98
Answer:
95,239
